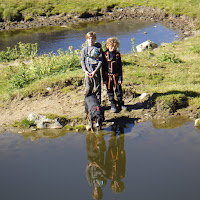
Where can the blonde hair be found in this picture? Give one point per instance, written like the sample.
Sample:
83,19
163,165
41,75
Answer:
90,34
112,41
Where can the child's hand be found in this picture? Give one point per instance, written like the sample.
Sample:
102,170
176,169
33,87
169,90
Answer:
92,74
87,73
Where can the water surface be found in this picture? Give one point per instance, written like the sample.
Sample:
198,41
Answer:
144,163
125,30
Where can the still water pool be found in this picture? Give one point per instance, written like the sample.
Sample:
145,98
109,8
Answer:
144,163
125,30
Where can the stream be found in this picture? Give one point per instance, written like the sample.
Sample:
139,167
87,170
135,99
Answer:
140,161
51,40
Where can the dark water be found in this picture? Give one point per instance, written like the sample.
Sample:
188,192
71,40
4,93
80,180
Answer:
144,163
51,41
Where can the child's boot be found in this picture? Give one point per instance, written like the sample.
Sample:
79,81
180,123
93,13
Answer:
113,107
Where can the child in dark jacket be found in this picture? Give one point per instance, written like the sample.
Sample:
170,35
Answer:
112,73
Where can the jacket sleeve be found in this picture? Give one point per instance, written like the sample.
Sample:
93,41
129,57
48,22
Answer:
104,68
120,68
83,57
100,60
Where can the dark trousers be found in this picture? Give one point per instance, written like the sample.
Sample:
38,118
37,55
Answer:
115,91
93,85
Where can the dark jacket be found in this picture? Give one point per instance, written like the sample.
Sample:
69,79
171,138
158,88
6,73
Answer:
112,64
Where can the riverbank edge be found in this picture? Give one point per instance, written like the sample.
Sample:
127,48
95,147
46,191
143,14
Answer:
184,24
138,110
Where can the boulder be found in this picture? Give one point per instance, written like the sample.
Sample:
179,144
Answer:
145,45
42,122
197,122
144,96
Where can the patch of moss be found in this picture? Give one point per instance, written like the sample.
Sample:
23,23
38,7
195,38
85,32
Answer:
77,119
68,127
52,116
66,89
80,127
172,102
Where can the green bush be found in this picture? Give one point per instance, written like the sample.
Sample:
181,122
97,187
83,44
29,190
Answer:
12,14
44,66
19,51
19,77
24,123
1,14
169,57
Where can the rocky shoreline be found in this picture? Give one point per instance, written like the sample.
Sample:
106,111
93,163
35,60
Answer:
182,23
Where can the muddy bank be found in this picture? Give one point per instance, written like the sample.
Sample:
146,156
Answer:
71,105
183,24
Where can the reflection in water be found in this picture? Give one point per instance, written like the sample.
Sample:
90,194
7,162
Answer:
95,170
44,133
101,168
161,164
170,123
116,162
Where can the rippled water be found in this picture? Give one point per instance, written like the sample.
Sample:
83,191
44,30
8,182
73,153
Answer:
149,161
51,41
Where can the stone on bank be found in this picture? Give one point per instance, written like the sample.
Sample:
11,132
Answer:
42,122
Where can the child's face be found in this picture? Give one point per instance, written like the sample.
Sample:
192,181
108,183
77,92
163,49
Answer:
112,48
91,41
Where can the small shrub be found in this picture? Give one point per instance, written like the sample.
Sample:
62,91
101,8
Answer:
1,14
24,123
12,14
169,57
19,77
20,50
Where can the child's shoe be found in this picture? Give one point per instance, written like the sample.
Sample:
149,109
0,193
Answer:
113,109
124,107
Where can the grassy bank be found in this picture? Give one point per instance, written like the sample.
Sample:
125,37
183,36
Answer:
170,72
23,9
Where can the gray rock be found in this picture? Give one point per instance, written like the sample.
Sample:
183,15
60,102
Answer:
145,45
144,96
197,122
42,122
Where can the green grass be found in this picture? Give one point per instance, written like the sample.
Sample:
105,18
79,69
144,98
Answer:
24,123
14,10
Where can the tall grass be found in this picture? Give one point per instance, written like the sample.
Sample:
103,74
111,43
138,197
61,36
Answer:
20,51
46,65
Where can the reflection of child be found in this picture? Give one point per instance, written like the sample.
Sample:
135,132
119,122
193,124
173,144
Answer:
91,61
116,163
112,73
95,170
